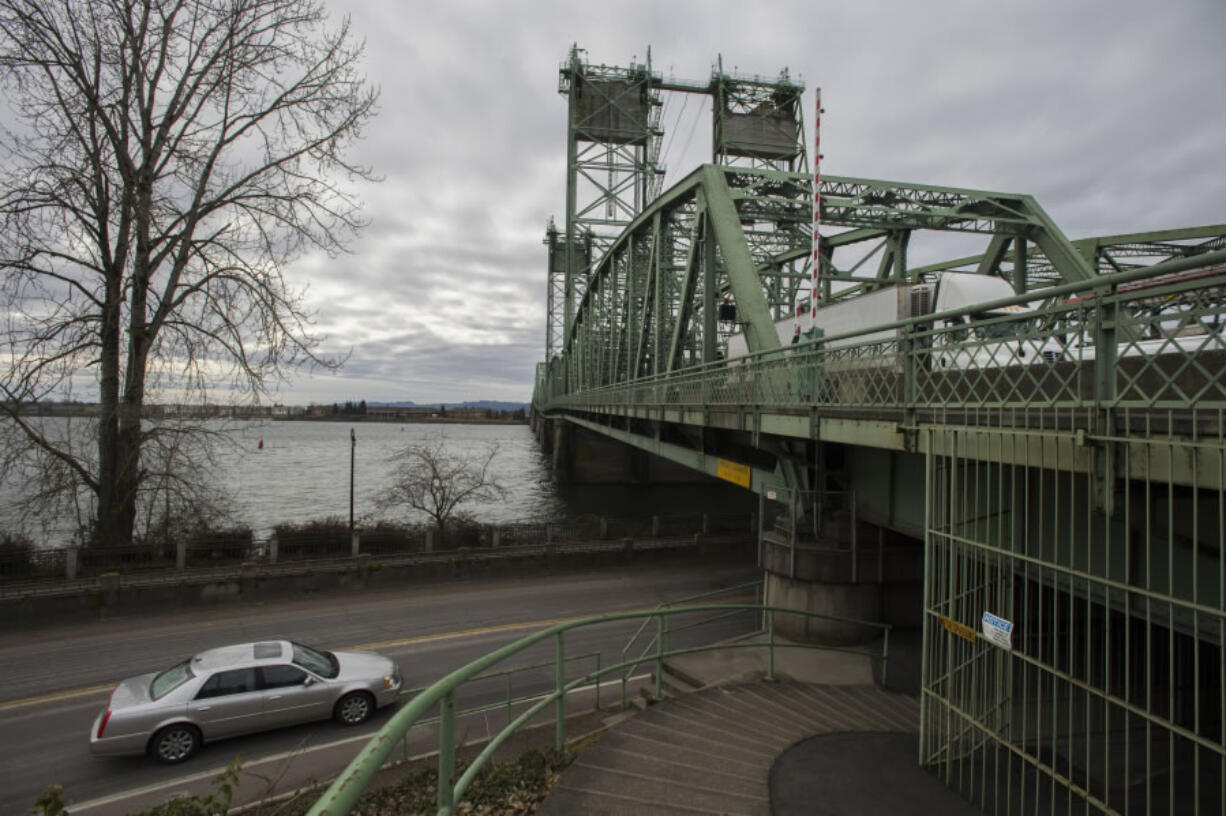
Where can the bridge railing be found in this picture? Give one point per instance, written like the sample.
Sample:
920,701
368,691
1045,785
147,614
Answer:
342,796
1142,340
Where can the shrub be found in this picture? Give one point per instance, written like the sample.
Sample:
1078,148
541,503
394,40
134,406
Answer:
220,545
313,539
16,556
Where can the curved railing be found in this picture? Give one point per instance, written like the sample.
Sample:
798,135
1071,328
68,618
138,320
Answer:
344,792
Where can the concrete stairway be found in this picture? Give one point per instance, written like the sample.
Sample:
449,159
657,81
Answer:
711,752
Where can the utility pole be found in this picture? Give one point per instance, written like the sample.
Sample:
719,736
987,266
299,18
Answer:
353,444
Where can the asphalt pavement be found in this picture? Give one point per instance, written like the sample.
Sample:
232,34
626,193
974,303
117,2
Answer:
56,677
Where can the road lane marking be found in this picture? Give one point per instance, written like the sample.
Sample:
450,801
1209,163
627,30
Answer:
57,696
382,644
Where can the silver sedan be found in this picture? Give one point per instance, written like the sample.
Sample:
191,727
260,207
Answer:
240,689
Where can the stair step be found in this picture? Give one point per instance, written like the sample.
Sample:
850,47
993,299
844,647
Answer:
711,751
663,750
566,801
661,790
740,780
676,676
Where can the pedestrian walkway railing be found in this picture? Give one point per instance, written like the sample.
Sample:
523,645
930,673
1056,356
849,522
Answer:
342,796
657,641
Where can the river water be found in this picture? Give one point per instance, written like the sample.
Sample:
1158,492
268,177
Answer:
301,472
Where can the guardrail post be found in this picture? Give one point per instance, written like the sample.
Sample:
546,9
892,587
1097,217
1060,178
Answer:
446,754
760,525
885,655
430,541
274,549
355,544
659,655
855,555
792,535
181,554
770,648
604,528
560,704
655,526
706,524
496,536
70,563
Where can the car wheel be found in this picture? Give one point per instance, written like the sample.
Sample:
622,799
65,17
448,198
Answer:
354,708
175,743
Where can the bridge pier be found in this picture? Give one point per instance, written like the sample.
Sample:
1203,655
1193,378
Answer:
831,563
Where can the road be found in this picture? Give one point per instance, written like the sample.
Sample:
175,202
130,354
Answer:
57,677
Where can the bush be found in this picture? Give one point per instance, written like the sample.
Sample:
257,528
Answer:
386,538
16,556
313,539
220,545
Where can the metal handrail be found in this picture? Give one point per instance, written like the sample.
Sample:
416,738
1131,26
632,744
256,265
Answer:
342,795
756,585
510,700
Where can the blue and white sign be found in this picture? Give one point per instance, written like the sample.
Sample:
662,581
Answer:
998,630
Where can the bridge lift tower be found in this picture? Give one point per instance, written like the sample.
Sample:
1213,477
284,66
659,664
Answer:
613,169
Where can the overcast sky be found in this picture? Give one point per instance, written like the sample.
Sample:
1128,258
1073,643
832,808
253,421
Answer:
1113,114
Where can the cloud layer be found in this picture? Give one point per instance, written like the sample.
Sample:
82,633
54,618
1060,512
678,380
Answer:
1110,112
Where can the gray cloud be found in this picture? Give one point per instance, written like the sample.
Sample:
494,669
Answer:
1110,112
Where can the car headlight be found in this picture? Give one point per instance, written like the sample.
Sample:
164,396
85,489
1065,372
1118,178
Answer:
389,683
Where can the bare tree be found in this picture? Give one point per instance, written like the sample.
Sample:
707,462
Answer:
168,159
436,481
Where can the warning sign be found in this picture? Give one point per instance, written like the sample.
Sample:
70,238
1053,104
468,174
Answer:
733,472
997,630
953,627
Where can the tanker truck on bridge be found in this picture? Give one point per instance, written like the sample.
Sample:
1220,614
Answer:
992,337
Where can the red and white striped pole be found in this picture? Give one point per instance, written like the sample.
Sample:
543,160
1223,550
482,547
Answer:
817,211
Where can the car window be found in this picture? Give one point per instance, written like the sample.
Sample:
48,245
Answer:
235,681
170,680
321,663
282,676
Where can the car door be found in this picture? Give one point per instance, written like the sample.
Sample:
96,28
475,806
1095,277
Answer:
292,695
229,702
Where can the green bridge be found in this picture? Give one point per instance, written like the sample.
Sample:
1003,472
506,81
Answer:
1034,477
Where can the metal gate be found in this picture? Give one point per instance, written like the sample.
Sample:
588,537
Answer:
1074,625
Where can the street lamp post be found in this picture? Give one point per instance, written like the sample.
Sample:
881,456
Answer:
353,444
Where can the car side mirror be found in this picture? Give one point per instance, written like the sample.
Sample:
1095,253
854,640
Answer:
309,681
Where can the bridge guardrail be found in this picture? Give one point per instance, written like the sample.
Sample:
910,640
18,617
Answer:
1137,341
346,789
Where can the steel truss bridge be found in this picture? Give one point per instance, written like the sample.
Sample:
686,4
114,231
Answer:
1078,493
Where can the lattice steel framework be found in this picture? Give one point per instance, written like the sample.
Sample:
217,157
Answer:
713,256
613,171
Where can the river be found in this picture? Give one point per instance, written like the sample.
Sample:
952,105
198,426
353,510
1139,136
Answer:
301,472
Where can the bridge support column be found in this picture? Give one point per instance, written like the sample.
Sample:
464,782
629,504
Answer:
860,601
563,457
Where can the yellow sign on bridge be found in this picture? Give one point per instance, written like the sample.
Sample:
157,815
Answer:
733,472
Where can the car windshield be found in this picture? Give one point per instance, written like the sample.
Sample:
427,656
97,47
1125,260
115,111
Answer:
170,680
322,663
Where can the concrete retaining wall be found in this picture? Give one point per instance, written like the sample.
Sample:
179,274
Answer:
112,598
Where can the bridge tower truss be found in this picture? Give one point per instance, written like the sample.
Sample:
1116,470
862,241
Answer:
614,173
612,146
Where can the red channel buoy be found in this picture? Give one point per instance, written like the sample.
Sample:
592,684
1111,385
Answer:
261,445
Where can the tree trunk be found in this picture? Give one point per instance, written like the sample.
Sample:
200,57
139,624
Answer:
105,530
